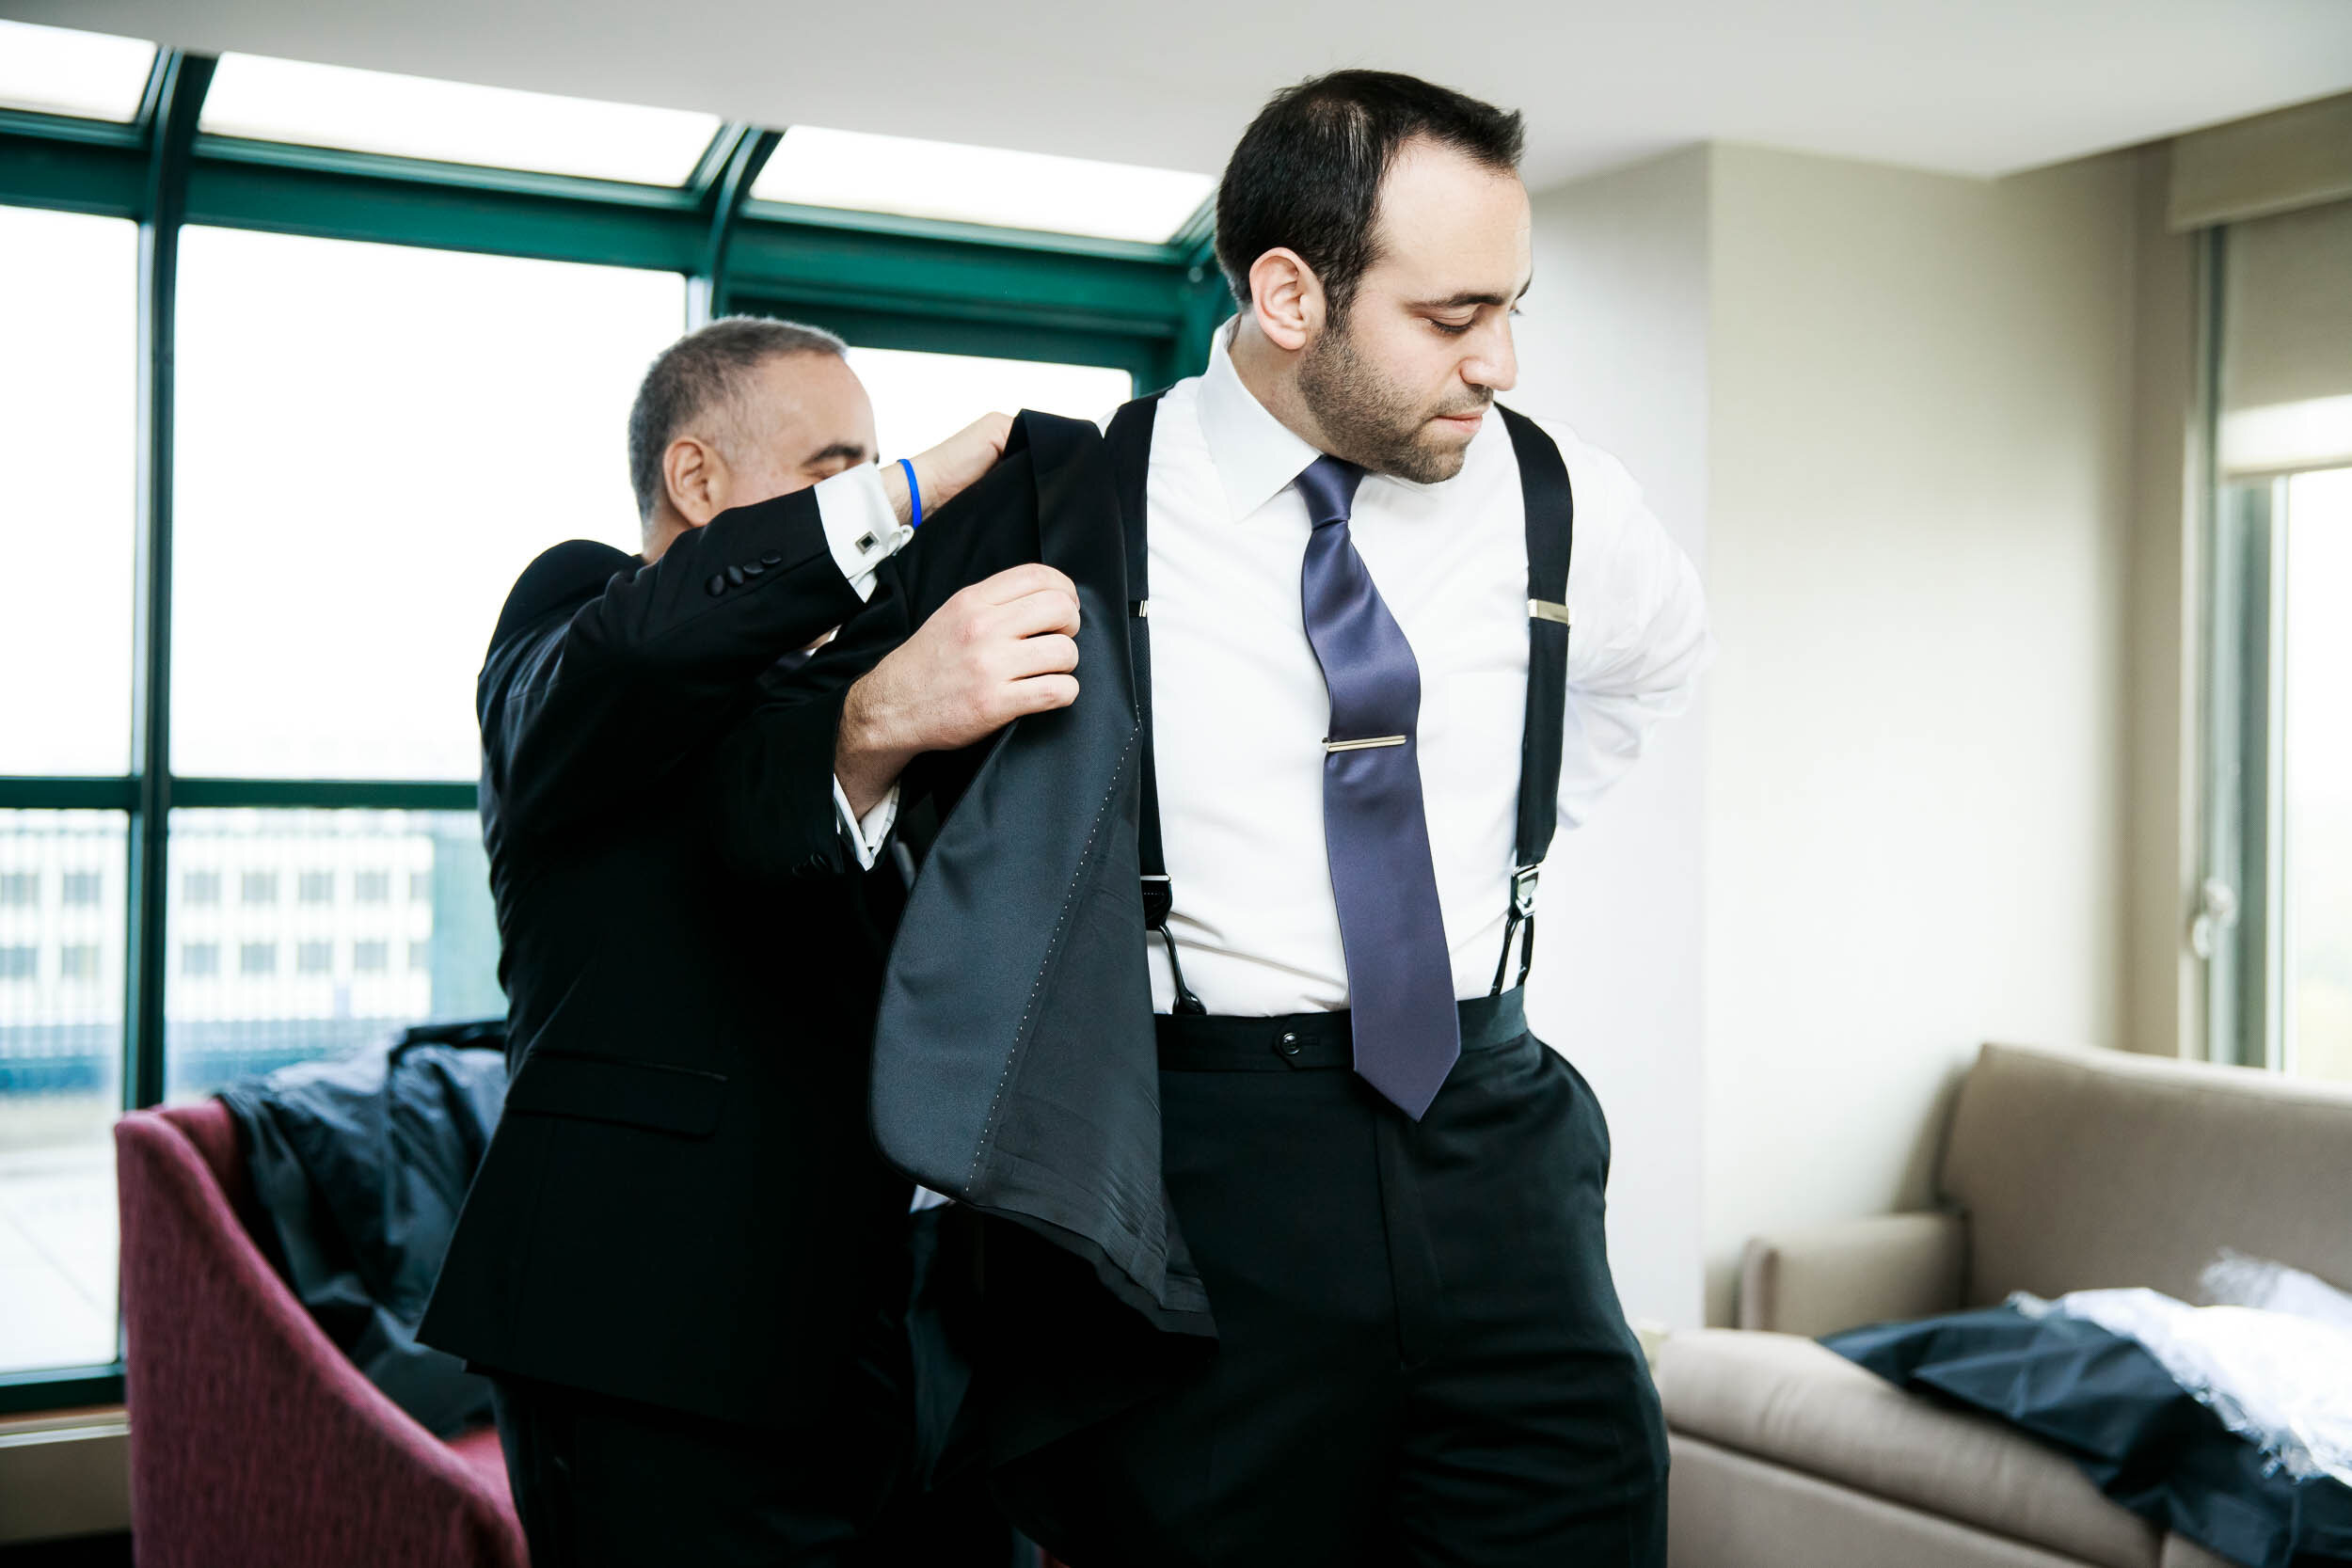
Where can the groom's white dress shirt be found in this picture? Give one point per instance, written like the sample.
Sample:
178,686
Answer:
1240,707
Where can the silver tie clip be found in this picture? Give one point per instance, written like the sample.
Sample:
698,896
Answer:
1364,745
1544,610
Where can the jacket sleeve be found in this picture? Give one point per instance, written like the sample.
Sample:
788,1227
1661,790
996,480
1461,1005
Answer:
774,808
584,707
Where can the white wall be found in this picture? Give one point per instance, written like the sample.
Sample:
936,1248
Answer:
1919,489
1899,423
2166,983
1613,340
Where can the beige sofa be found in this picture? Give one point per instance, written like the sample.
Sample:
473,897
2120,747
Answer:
2062,1170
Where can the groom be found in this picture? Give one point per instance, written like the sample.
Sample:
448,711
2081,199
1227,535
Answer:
1209,998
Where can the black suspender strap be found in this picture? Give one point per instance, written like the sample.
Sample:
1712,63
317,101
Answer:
1129,440
1550,539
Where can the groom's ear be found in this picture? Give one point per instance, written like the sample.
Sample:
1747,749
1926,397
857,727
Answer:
1286,298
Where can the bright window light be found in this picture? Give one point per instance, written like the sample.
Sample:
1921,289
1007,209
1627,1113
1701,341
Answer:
2283,437
368,111
56,70
922,399
69,449
818,167
373,441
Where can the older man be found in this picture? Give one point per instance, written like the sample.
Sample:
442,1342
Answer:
681,1260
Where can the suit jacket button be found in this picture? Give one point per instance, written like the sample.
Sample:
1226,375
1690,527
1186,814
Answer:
1288,1045
718,584
735,576
771,559
753,568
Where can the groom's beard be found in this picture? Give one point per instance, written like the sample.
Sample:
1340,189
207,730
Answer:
1373,423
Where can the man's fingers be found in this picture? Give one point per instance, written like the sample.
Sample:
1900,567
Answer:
1016,582
1048,610
1040,656
1042,693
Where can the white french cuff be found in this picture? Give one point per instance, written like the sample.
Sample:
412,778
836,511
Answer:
860,529
869,832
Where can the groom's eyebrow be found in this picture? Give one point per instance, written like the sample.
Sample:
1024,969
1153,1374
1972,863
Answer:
849,452
1463,301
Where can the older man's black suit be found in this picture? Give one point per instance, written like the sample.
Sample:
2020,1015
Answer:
681,1210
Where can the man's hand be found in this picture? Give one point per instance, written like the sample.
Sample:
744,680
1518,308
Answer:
1000,648
948,467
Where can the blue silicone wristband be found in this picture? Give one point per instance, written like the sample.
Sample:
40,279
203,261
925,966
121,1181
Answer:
914,492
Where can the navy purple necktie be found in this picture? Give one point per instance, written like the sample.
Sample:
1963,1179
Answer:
1400,974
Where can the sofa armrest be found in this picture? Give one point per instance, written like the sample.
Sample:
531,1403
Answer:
1838,1276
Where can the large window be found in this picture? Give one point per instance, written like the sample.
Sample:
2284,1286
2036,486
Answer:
922,399
373,441
61,947
67,435
296,934
58,70
373,111
68,427
2316,796
822,167
2279,902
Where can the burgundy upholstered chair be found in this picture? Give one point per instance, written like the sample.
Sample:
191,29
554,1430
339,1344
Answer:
254,1442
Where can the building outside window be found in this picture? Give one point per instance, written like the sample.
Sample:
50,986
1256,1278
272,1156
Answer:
81,889
201,887
259,887
20,961
200,960
315,887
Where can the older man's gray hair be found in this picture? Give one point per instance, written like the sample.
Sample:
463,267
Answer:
705,377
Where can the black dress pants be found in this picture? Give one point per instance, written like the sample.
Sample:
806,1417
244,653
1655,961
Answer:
1420,1357
604,1482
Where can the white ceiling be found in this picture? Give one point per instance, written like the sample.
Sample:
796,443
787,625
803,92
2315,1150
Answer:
1972,86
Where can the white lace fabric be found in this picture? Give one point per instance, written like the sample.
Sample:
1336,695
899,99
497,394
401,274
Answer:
2272,1356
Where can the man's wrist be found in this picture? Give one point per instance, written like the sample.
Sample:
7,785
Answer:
867,760
894,483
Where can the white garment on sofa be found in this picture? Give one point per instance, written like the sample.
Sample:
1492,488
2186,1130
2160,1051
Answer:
2281,1380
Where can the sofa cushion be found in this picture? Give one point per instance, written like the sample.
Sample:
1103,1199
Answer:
2085,1169
1787,1400
1728,1510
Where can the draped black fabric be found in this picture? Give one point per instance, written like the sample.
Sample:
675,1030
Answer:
1028,1087
361,1164
2111,1407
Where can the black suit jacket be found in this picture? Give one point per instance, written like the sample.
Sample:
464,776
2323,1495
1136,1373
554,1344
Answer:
1026,1086
681,1204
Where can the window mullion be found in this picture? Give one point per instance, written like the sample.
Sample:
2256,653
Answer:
177,96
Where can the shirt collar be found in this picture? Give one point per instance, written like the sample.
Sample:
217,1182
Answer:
1256,454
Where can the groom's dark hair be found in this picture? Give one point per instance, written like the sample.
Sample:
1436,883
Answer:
1307,173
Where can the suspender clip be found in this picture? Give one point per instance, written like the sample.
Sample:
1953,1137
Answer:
1159,898
1523,890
